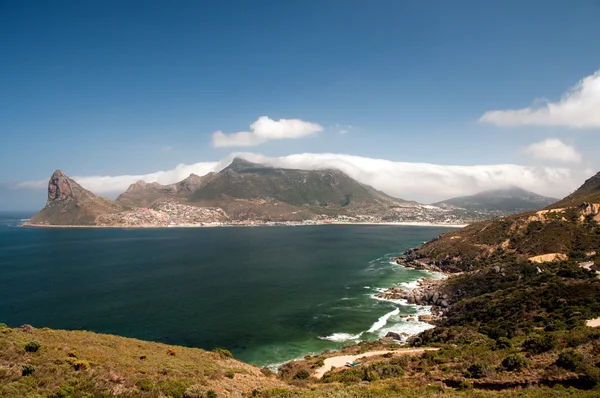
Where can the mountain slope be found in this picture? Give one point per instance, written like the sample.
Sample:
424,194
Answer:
143,194
70,204
509,200
569,231
248,189
320,190
588,192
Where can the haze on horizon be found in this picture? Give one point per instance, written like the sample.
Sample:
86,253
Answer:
423,101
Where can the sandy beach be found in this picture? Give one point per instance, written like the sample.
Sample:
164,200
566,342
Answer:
341,360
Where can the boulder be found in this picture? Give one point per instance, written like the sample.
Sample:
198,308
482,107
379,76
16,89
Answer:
394,335
27,328
425,318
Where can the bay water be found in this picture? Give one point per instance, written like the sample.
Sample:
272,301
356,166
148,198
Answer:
268,294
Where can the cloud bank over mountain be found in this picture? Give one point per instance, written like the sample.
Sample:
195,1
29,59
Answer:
553,149
423,182
578,108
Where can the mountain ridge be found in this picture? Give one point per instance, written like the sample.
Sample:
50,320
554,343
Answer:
508,200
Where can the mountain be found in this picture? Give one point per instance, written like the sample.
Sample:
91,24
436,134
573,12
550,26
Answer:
588,192
144,194
70,204
243,192
508,200
249,190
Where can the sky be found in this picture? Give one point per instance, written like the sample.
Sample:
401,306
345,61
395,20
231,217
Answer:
423,100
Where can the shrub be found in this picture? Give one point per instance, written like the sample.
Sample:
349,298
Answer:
198,391
230,373
503,343
267,372
144,385
27,370
301,375
539,344
223,353
81,365
73,354
569,360
171,352
514,362
174,388
479,371
32,346
465,385
320,362
65,392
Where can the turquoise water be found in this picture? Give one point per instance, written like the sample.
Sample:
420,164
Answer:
268,294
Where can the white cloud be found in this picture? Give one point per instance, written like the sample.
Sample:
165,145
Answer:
266,129
424,182
343,131
553,149
578,108
107,185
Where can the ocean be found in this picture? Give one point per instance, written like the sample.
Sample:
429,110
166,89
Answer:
268,294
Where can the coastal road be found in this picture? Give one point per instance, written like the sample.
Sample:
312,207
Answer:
341,360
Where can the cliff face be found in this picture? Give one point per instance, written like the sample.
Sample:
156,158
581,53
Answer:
69,203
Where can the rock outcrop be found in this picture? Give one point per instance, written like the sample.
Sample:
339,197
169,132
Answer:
69,203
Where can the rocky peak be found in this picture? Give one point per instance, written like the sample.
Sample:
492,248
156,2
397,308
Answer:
191,183
59,187
239,164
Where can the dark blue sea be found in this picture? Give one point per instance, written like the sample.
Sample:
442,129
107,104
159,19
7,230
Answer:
268,294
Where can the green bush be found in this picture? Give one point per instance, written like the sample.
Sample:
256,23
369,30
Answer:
145,385
503,343
27,370
538,344
569,360
223,353
479,371
32,346
514,362
174,388
198,391
465,385
65,392
301,375
230,374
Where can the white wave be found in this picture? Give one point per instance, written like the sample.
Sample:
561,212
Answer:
383,320
24,219
410,285
339,337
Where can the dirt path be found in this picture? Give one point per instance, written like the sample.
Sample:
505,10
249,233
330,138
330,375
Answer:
593,323
341,360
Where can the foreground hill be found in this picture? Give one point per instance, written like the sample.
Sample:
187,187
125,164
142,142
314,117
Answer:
58,363
501,201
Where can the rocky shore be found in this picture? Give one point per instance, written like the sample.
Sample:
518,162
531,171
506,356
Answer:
429,292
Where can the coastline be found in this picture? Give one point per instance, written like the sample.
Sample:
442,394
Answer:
277,224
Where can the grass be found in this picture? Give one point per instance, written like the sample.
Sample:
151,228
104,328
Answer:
84,364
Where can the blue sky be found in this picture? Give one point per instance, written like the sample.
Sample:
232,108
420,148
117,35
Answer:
110,88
